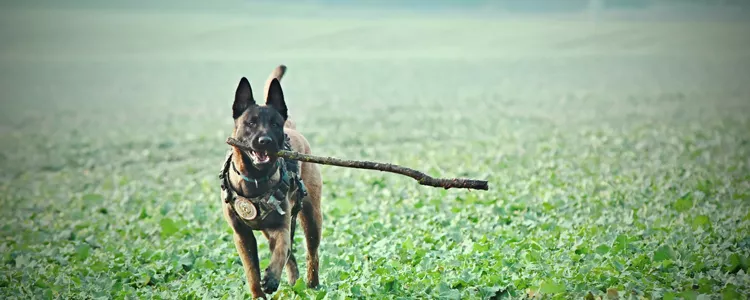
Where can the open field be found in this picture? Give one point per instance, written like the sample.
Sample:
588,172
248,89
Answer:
618,153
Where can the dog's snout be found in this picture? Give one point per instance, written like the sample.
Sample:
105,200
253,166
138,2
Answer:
264,140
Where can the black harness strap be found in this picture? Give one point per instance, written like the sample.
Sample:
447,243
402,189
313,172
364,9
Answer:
293,167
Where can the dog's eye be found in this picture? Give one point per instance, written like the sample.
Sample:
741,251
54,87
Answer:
274,124
251,123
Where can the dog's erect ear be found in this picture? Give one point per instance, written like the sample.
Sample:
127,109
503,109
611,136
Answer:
277,73
243,98
275,98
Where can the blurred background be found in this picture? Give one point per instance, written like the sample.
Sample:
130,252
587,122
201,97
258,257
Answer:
601,125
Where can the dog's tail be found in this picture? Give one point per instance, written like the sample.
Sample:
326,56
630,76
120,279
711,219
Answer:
277,74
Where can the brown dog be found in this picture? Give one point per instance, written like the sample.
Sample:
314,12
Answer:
263,192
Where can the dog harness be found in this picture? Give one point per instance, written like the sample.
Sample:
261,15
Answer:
269,201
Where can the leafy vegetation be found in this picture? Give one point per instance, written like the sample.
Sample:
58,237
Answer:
617,154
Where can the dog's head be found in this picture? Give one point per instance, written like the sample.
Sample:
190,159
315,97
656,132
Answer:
261,126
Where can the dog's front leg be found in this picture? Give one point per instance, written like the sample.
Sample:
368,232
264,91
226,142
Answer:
279,242
247,248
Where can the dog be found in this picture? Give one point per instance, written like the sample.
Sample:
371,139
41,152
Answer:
262,192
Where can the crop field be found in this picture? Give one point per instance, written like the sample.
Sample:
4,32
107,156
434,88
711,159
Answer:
617,153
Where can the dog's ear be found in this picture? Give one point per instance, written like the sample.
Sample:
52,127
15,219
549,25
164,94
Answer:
277,73
275,98
243,98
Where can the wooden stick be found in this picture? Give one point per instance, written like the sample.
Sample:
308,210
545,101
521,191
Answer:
422,178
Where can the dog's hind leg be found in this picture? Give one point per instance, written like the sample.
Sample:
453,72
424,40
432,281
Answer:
312,221
291,265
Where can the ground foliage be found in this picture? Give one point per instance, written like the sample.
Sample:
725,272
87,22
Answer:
617,155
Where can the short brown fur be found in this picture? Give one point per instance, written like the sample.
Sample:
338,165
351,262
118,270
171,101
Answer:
280,236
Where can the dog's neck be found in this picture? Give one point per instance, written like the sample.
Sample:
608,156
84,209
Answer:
248,181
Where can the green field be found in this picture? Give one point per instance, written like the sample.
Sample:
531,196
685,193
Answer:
618,153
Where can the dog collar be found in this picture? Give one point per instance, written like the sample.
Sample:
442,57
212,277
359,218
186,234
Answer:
256,180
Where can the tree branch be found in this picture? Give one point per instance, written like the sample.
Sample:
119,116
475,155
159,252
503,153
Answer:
422,178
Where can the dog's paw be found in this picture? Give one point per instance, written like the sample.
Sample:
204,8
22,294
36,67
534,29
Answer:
269,283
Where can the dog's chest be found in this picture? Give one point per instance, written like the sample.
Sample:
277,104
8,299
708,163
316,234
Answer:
272,205
258,215
257,218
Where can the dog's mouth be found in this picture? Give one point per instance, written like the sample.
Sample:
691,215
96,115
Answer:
259,157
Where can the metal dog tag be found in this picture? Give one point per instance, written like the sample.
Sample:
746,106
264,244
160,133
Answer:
245,209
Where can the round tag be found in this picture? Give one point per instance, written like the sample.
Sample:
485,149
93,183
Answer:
245,209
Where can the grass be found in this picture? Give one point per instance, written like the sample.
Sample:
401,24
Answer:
617,154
